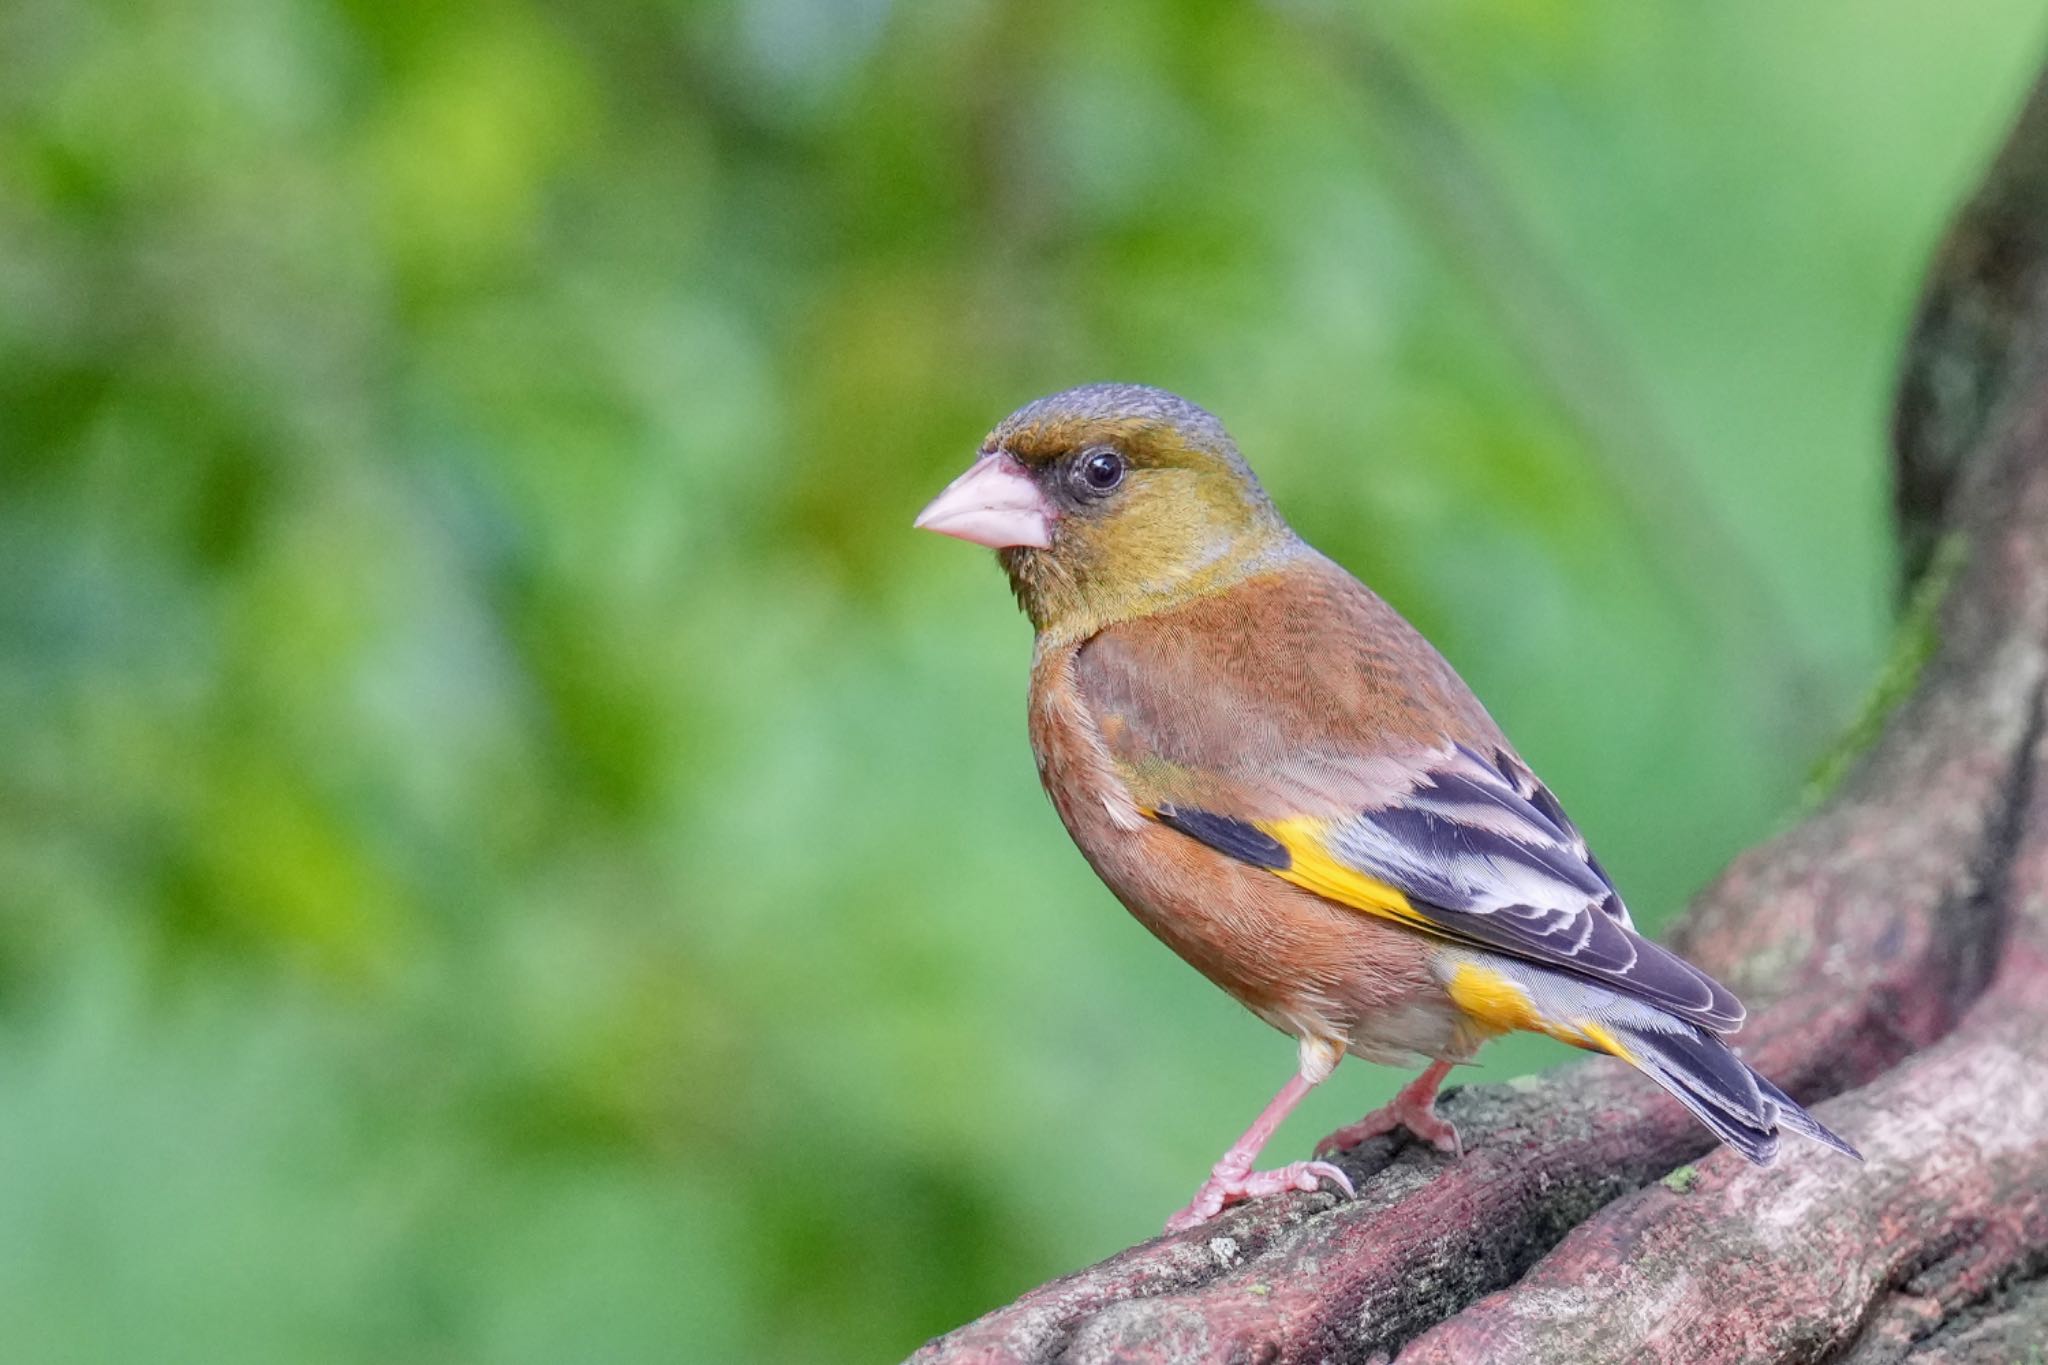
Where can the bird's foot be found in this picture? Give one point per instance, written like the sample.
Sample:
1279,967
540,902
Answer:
1227,1185
1420,1119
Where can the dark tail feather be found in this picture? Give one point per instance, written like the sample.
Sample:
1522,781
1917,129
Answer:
1791,1115
1743,1108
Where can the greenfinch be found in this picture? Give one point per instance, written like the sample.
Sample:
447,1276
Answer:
1288,786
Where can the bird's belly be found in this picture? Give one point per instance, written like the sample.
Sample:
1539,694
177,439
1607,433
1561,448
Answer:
1429,1028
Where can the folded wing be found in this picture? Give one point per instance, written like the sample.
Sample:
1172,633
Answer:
1479,852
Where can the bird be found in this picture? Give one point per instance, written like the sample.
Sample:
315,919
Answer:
1283,781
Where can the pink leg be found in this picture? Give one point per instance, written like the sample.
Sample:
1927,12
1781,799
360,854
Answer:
1414,1108
1232,1179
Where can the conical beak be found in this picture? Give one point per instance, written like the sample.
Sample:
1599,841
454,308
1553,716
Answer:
994,503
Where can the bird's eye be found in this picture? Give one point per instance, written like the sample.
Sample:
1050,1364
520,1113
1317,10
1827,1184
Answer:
1098,471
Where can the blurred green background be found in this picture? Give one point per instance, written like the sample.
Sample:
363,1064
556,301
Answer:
510,849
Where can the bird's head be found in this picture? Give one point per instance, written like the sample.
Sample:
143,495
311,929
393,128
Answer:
1110,501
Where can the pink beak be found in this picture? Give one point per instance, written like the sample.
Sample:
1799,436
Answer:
994,503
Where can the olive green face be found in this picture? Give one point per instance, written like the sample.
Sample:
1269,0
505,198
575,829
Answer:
1143,494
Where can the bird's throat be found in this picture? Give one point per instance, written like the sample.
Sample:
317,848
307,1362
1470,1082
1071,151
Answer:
1067,598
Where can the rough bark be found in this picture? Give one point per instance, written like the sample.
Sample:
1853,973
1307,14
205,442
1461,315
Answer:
1894,946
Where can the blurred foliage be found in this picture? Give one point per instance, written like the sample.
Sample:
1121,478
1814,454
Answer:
509,848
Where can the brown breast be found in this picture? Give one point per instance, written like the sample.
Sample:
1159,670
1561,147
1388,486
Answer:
1303,964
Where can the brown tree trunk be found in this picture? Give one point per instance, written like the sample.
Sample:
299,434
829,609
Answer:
1894,947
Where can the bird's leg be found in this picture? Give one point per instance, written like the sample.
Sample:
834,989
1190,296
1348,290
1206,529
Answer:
1232,1179
1413,1108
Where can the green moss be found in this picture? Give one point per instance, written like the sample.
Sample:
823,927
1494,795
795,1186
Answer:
1912,646
1681,1180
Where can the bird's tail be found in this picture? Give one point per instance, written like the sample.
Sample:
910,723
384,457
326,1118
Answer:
1742,1107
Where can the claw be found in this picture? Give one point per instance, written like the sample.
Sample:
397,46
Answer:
1413,1108
1224,1188
1439,1133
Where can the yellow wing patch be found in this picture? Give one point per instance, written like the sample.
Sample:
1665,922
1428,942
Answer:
1313,869
1603,1040
1493,1000
1502,1006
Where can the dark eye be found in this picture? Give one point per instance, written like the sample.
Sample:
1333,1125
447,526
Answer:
1097,472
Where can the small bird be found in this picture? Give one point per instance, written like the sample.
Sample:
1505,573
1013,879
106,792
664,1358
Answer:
1288,786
